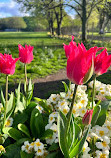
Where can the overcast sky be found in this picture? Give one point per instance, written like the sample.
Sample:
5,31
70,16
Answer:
10,8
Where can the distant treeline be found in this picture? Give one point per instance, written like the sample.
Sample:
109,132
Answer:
22,23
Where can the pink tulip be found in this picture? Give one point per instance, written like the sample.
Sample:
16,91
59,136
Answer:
87,117
7,64
80,65
25,54
102,62
68,48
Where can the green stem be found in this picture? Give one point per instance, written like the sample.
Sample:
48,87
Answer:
25,74
71,108
6,101
93,92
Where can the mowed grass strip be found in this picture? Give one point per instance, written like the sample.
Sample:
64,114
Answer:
48,52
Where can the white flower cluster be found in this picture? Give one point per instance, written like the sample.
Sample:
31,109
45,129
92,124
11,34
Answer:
102,90
53,126
63,101
101,135
35,147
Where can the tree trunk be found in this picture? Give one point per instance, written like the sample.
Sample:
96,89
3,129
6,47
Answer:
58,28
52,28
84,20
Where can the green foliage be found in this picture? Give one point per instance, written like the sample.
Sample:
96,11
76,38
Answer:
37,124
95,115
12,132
77,149
12,151
102,115
62,121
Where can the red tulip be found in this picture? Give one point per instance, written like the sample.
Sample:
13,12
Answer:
7,64
102,62
80,65
68,48
87,117
25,54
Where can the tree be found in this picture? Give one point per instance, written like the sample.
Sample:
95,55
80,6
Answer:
105,14
84,9
16,23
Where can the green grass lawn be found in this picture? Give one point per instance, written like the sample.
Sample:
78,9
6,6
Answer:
48,53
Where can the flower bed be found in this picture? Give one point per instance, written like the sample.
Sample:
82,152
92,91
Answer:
73,123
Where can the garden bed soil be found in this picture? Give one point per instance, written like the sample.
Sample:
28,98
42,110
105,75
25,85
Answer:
44,87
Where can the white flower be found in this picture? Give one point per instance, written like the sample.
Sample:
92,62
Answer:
104,144
39,108
51,119
61,104
54,98
48,126
38,145
65,110
51,139
25,147
101,131
82,111
54,127
39,152
85,149
102,154
9,122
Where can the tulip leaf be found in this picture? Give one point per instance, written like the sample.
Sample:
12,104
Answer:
10,106
78,133
89,73
71,134
78,148
62,120
102,115
37,124
2,98
24,129
65,86
95,115
12,132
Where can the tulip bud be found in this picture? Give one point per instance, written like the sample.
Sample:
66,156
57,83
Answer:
87,117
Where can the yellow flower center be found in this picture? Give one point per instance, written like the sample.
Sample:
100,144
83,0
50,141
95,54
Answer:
80,107
64,111
2,148
109,127
27,147
51,118
84,149
102,92
7,123
39,150
62,103
82,101
54,99
38,144
83,111
73,111
32,144
104,144
101,133
103,156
